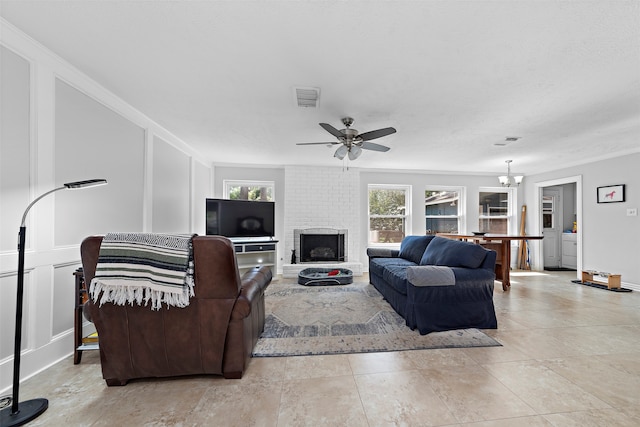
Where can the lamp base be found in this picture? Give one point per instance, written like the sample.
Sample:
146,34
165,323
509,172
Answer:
27,411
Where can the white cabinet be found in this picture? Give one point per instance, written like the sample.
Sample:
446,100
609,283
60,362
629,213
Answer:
569,250
252,253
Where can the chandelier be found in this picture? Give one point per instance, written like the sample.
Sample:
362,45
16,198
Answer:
508,180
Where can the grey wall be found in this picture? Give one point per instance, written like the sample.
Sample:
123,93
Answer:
610,237
58,126
15,152
171,195
93,141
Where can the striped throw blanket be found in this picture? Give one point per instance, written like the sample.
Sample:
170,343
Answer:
137,267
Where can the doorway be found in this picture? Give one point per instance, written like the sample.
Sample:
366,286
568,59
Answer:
552,202
567,209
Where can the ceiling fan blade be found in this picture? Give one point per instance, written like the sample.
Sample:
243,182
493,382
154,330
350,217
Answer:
333,131
317,143
373,146
367,136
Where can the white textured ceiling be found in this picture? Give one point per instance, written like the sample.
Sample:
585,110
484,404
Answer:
453,77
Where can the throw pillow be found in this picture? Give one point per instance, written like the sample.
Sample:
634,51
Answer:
412,247
453,253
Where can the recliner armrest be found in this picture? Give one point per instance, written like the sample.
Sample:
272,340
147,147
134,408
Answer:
253,285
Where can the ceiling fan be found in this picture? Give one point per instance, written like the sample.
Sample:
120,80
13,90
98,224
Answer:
352,142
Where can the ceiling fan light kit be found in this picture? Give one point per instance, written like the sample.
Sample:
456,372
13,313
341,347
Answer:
353,142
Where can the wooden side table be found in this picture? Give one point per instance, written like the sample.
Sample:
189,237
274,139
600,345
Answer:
80,343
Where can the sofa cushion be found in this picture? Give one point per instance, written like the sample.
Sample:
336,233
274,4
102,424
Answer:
412,247
453,253
395,277
378,265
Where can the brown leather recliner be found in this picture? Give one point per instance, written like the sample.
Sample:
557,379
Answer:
214,334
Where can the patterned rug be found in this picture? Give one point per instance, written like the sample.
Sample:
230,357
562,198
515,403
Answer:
350,318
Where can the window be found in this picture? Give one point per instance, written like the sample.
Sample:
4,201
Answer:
249,190
548,209
388,213
496,211
442,209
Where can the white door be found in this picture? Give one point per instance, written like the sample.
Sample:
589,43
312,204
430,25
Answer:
551,227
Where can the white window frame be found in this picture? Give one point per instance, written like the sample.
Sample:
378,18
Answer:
512,206
407,216
228,184
462,205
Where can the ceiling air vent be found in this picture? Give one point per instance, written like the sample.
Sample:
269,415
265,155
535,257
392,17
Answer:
307,97
508,140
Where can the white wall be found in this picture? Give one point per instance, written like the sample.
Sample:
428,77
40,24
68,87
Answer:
58,126
253,173
419,182
323,197
610,238
333,197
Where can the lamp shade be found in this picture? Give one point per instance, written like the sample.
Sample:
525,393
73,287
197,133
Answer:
355,152
341,152
84,184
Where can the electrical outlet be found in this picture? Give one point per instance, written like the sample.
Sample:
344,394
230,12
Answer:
632,212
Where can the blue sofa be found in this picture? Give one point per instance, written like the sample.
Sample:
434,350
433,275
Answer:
437,284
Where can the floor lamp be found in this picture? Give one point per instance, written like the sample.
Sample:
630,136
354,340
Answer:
22,412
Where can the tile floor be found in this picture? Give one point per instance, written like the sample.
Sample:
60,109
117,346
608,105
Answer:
569,358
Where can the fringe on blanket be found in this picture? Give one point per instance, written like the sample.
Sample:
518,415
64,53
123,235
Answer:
144,268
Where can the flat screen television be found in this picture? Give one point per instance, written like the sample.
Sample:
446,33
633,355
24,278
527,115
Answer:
240,218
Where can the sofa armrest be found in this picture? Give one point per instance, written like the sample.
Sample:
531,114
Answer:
430,275
253,285
382,253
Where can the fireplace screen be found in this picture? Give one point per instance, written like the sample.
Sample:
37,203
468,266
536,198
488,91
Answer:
321,247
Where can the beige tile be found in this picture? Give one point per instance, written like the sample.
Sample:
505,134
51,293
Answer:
472,394
321,402
265,369
543,389
401,398
150,402
593,418
613,379
484,355
536,343
594,340
392,361
533,421
301,367
564,345
446,357
238,405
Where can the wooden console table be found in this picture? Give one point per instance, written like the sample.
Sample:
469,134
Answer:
503,249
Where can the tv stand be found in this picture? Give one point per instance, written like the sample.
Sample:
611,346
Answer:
254,251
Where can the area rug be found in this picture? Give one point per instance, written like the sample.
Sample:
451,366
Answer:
351,318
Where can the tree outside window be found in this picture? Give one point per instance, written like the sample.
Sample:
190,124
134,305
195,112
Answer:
388,218
249,190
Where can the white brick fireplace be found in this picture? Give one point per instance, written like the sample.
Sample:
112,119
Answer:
322,198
